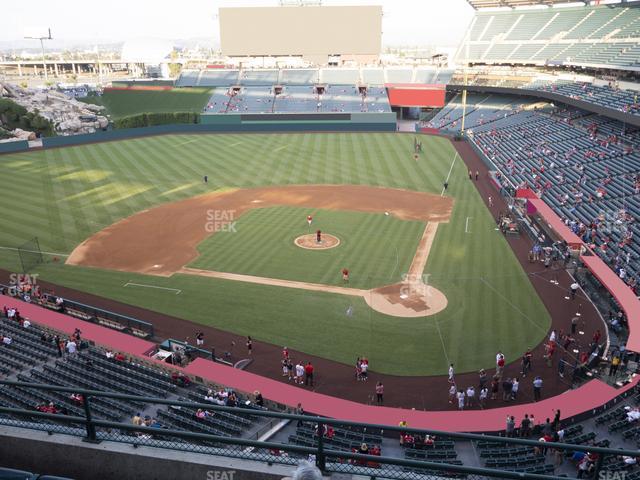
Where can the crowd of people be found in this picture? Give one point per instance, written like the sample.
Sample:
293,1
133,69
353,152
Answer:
302,373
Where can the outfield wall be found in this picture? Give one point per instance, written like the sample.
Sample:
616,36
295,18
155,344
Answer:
9,147
241,123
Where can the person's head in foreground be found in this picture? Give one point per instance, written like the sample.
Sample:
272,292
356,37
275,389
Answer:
307,471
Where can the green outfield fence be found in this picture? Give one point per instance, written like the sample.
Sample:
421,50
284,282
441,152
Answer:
231,123
328,460
10,147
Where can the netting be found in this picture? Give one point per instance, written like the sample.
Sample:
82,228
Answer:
30,254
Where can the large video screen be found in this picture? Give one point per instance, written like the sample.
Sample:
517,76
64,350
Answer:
300,30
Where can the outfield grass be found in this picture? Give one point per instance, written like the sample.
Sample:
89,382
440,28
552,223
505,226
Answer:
122,103
67,194
261,244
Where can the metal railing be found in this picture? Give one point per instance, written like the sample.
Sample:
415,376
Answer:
92,314
318,446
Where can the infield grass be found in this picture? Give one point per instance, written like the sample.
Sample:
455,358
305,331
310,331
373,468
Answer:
64,195
262,244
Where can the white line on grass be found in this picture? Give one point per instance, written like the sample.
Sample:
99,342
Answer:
280,148
234,144
510,303
466,225
449,174
35,251
442,341
152,286
184,143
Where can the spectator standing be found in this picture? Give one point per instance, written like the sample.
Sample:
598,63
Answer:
471,396
308,374
511,426
452,393
379,393
515,386
507,387
537,389
615,363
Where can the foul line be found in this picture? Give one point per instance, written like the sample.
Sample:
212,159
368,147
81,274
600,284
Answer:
466,225
280,148
184,143
152,286
234,144
511,304
35,251
449,174
444,349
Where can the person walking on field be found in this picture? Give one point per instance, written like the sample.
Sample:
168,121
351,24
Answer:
249,346
309,220
379,393
451,373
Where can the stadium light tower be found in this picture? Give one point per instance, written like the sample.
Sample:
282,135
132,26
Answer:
42,39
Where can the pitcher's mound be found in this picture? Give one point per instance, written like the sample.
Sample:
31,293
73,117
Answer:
309,242
407,300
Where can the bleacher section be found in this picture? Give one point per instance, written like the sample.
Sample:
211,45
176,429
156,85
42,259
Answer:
589,35
33,357
372,76
258,77
214,78
584,166
622,100
296,99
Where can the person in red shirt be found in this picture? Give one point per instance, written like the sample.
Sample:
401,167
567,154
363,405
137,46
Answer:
309,219
596,336
308,374
345,274
285,353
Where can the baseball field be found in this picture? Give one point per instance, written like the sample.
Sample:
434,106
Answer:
134,221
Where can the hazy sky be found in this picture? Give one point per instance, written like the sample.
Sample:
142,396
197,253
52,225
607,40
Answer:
409,22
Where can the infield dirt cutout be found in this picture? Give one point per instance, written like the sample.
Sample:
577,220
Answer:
162,240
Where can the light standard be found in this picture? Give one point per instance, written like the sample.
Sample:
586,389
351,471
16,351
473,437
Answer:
42,39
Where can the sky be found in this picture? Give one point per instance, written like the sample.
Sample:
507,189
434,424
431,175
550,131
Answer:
405,22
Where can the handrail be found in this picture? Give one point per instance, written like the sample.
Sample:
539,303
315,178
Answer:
304,418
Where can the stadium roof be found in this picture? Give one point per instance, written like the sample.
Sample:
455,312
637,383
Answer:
517,3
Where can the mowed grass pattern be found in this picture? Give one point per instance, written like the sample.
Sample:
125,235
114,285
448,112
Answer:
262,244
65,195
